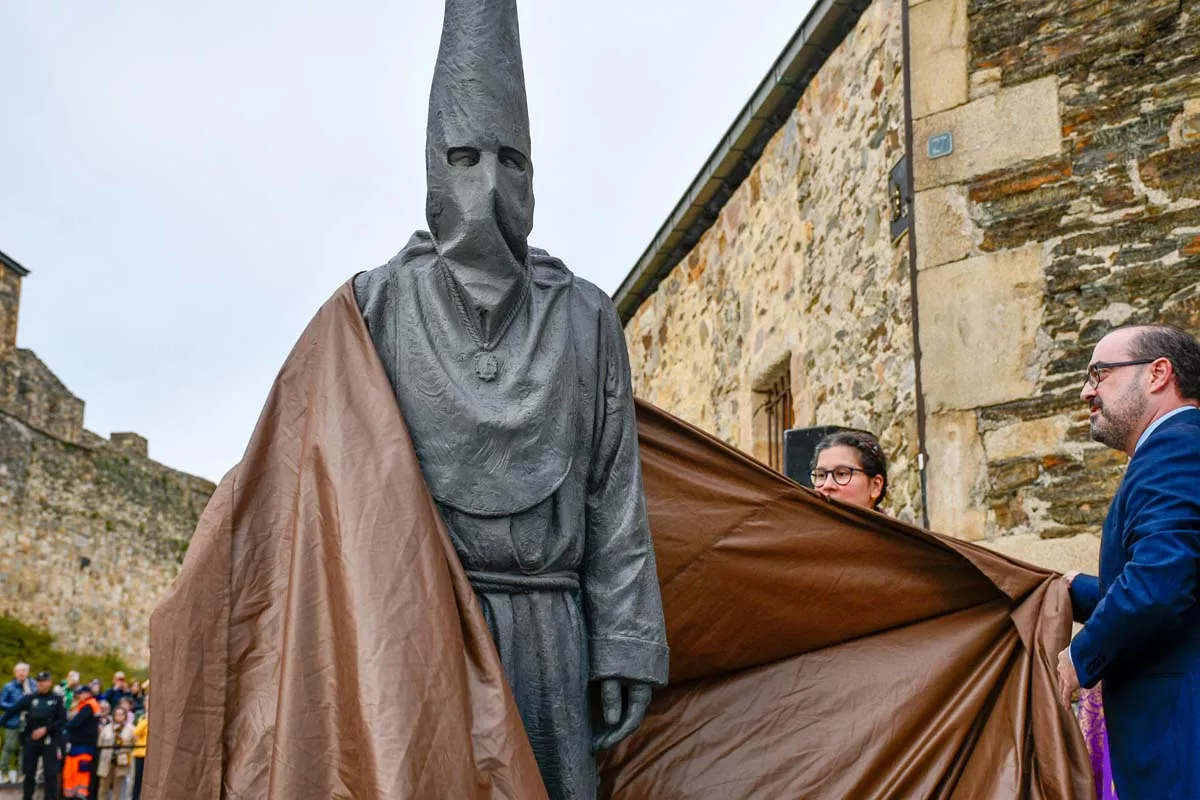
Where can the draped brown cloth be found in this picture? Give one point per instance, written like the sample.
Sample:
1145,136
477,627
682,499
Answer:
322,641
825,651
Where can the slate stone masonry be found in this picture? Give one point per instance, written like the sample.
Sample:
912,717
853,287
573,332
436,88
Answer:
1116,215
1068,205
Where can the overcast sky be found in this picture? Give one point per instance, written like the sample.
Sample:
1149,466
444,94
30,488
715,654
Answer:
188,182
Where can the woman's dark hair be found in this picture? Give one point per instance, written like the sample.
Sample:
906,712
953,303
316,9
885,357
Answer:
874,462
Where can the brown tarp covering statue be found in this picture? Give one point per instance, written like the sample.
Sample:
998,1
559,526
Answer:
322,640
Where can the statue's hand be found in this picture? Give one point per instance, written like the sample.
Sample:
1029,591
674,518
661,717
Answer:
623,704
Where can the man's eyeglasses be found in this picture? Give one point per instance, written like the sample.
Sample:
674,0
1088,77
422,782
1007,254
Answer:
1099,371
841,475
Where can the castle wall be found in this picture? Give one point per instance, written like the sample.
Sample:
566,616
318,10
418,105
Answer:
30,392
92,531
10,305
91,535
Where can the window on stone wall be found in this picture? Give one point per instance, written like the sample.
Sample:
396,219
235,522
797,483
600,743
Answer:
773,414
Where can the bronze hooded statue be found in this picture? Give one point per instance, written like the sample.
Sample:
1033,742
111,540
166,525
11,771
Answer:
513,380
448,460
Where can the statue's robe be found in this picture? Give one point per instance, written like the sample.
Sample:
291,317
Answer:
529,447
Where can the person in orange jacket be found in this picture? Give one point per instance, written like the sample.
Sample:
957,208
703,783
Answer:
82,732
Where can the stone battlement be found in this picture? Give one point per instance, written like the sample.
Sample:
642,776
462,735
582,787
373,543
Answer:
92,531
33,394
131,443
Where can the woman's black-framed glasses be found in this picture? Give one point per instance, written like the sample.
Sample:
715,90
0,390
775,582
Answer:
1099,371
841,475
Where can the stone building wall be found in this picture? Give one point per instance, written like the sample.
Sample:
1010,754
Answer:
1070,205
799,271
10,303
128,516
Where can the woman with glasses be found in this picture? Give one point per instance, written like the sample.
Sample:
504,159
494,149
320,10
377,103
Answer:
850,466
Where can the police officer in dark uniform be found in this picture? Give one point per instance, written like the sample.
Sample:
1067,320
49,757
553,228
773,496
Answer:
45,716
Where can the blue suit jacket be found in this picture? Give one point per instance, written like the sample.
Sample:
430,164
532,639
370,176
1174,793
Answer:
1142,619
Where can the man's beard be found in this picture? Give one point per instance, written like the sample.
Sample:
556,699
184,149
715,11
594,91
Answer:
1115,424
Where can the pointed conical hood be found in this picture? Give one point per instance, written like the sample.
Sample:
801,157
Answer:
480,175
479,80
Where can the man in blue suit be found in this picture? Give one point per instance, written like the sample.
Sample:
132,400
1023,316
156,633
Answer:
1141,616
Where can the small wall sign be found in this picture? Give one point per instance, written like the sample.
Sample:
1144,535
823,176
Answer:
941,145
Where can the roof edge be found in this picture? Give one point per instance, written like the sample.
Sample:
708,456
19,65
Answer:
730,163
12,264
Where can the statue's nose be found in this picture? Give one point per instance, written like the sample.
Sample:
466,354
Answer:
487,173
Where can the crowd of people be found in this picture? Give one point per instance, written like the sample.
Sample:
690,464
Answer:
76,739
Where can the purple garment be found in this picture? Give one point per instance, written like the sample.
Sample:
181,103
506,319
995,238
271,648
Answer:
1095,735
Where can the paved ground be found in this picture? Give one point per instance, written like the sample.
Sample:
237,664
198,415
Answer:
11,792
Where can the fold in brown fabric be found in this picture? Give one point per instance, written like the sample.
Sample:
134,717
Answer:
824,651
322,641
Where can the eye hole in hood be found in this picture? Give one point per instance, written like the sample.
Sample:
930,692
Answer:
462,156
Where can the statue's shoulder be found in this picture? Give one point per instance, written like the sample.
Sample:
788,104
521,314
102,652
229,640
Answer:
550,271
373,284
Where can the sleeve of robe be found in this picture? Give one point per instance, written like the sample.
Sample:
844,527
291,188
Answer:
627,634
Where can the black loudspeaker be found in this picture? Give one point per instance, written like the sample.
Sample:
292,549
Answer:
799,447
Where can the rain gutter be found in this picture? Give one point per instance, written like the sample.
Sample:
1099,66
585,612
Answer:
740,148
12,264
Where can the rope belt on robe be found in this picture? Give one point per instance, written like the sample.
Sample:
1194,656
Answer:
508,583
